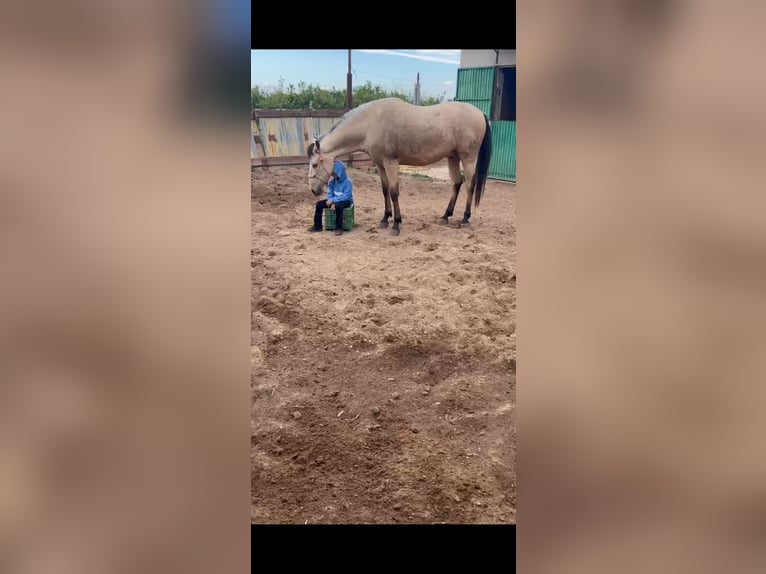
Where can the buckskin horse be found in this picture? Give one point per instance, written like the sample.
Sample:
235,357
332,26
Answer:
393,132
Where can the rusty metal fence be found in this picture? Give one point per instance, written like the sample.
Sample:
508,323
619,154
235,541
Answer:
282,137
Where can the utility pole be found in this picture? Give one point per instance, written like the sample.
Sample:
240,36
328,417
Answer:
348,84
417,90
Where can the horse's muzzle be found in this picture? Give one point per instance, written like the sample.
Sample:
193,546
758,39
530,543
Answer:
316,186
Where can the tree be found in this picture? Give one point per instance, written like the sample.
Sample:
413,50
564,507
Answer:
305,96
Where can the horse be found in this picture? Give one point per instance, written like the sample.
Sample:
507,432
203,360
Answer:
392,131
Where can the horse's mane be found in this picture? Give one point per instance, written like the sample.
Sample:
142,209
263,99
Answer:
351,114
348,116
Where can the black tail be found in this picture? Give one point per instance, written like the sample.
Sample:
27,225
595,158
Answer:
482,163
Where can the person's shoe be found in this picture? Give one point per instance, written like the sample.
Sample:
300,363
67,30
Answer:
313,229
338,232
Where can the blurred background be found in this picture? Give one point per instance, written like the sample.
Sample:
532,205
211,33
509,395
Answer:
641,250
124,301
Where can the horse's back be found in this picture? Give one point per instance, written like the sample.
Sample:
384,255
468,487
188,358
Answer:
421,135
396,107
463,109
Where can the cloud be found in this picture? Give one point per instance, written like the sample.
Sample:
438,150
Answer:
454,53
449,82
421,56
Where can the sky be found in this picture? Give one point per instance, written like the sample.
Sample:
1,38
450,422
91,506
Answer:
392,69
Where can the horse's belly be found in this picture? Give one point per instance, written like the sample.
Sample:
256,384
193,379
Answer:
425,157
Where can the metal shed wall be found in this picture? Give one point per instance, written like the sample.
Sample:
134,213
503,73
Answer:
503,162
475,86
479,58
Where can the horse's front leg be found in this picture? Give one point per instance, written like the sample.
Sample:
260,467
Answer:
392,175
386,197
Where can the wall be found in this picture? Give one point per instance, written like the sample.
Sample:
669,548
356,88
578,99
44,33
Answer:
482,58
503,162
475,85
282,137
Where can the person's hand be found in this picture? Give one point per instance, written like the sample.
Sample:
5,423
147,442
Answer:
328,203
332,207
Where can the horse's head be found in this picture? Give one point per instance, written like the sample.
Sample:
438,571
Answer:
320,168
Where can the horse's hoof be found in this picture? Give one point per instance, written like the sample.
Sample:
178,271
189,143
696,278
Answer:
443,221
465,224
394,232
383,224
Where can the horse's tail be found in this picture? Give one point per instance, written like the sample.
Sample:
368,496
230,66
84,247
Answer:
482,163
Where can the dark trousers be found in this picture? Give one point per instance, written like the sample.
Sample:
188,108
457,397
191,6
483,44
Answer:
339,207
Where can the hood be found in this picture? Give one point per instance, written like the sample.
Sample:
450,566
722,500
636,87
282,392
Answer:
340,171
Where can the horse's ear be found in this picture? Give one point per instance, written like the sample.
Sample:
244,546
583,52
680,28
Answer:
317,144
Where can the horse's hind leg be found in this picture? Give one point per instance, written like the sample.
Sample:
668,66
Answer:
386,196
469,166
457,180
392,174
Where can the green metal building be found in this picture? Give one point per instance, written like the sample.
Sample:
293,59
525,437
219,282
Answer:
487,79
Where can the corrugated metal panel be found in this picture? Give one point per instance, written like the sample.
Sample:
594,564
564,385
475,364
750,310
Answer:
317,126
282,136
253,133
474,86
475,83
288,136
503,162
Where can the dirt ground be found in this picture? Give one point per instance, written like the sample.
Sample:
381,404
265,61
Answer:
383,368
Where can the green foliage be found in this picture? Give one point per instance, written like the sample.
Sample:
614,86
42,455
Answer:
305,96
431,100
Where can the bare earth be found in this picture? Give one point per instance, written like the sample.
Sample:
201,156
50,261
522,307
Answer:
383,368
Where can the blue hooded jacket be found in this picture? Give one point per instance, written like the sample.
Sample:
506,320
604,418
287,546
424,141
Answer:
340,188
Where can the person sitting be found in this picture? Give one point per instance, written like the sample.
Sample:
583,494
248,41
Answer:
340,190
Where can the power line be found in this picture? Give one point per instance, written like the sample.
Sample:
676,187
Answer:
382,76
400,79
